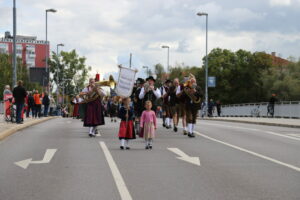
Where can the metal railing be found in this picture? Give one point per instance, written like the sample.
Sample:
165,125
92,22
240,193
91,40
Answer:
284,109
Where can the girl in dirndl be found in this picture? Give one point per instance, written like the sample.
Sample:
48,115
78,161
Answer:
148,124
126,132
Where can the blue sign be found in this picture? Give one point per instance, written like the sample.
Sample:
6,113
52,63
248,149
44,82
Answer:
211,81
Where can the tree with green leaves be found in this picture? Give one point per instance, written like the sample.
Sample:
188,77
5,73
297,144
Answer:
69,71
22,74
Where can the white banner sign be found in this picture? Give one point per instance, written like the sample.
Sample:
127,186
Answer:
125,82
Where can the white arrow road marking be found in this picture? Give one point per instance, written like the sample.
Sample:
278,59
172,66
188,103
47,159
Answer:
185,157
47,158
124,193
250,152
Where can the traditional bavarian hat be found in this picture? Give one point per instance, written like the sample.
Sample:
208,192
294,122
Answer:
150,78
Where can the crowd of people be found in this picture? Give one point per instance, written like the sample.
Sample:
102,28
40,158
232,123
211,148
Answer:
173,101
27,103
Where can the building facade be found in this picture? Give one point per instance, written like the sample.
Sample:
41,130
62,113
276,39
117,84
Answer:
29,49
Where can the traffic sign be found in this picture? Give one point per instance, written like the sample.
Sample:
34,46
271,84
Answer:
211,81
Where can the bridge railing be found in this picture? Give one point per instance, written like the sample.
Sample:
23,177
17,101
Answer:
284,109
1,107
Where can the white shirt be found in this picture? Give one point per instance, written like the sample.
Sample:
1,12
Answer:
178,90
156,93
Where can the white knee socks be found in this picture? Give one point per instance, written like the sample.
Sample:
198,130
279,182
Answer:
122,142
190,127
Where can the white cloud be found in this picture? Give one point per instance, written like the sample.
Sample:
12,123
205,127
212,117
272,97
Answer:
280,2
105,32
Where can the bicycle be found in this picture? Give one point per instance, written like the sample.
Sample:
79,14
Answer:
10,113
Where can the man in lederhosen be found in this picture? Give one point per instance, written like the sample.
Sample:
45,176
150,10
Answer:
166,106
181,110
150,93
192,94
138,104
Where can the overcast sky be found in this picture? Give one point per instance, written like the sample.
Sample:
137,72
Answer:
106,32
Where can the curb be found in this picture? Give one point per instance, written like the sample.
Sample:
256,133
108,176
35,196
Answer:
259,123
13,130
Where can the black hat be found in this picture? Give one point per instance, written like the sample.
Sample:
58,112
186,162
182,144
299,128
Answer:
150,78
140,81
168,81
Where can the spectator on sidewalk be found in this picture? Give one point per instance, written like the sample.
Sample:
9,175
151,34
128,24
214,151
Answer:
52,105
19,94
46,103
38,104
7,94
30,104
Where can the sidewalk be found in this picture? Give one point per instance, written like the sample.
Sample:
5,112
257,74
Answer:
7,128
294,123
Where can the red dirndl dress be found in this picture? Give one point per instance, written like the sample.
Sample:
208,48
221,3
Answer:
127,130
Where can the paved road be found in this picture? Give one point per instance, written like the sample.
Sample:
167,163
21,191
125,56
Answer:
238,161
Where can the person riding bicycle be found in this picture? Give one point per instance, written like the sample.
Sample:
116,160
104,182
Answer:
271,104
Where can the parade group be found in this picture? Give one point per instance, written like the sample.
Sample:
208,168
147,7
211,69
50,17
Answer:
138,113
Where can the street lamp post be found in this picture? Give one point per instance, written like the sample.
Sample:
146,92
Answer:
167,47
206,61
47,46
14,81
147,70
57,77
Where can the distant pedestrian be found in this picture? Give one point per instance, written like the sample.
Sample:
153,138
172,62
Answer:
148,124
19,94
211,106
218,105
30,104
126,131
271,105
52,106
37,104
46,103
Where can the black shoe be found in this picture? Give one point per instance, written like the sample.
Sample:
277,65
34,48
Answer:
191,135
168,127
164,125
147,147
175,129
121,147
150,146
91,135
111,120
127,148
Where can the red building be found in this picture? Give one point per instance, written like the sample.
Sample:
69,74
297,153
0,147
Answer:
31,50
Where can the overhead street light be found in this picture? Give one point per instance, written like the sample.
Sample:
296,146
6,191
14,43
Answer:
47,46
147,70
167,47
206,61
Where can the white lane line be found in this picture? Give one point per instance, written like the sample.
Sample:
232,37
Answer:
124,193
253,129
250,152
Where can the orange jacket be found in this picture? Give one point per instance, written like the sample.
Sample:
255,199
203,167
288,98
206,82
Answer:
37,99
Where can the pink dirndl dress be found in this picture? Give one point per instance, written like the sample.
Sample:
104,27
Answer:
148,124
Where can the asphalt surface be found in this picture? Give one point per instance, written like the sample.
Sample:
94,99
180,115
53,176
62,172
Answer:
238,161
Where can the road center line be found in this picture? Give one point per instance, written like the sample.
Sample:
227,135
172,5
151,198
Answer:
258,130
250,152
124,193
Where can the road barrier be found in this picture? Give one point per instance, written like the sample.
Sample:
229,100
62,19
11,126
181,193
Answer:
285,109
